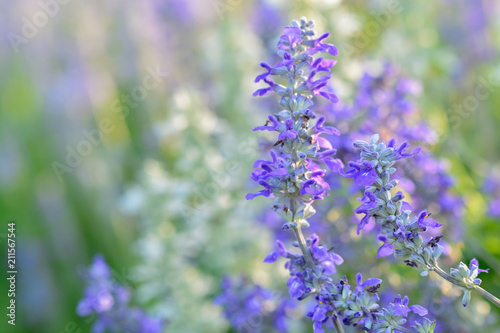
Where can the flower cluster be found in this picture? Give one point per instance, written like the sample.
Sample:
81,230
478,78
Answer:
399,232
244,302
384,102
303,281
109,301
468,275
358,307
294,178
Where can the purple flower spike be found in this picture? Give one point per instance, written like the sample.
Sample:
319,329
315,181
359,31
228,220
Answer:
295,178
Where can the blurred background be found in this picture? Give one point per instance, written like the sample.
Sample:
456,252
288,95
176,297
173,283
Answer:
125,130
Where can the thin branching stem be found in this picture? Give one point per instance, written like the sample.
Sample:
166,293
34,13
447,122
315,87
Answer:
454,281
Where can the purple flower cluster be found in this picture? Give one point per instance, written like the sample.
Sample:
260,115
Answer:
468,275
109,301
246,304
399,232
359,307
302,280
294,178
391,213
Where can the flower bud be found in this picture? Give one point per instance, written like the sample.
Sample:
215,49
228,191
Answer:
360,144
374,139
466,298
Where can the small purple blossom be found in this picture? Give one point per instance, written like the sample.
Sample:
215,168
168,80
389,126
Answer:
474,262
324,257
273,256
296,285
369,204
363,173
371,282
424,220
402,309
242,301
289,132
386,249
108,300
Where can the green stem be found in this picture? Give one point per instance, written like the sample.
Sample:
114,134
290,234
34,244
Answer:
303,246
478,290
488,296
447,277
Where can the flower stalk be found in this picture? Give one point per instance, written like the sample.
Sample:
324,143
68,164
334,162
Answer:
399,232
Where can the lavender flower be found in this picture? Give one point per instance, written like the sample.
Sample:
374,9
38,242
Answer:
293,176
398,230
109,300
